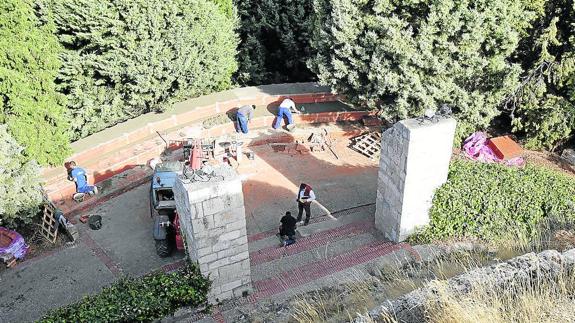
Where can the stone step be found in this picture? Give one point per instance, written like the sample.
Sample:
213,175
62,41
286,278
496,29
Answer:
317,224
331,249
309,242
353,274
291,279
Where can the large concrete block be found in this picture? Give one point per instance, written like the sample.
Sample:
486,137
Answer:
415,164
212,218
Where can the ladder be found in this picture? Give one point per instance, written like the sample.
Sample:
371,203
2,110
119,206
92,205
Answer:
368,144
49,229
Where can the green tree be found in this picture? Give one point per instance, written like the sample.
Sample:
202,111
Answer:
275,41
543,105
29,63
129,57
19,183
404,57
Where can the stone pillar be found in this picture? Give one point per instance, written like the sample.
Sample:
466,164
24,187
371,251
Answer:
414,162
212,219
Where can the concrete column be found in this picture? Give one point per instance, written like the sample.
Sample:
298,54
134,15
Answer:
414,162
212,218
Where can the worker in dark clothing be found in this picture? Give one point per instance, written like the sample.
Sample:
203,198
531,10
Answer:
304,198
243,116
287,229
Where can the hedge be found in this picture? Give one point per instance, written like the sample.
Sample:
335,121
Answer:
138,299
494,202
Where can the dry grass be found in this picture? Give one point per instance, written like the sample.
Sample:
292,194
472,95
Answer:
336,305
541,301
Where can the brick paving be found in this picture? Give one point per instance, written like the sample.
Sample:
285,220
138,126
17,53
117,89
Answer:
311,242
307,273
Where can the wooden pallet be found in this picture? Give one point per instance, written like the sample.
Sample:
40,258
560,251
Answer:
49,229
368,144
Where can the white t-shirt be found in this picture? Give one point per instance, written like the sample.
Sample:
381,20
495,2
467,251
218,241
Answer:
287,103
302,195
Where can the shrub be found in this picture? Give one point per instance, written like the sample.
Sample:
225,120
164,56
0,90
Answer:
29,64
275,41
543,105
138,299
493,202
20,189
129,57
403,57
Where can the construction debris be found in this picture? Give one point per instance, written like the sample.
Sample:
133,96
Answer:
368,144
321,141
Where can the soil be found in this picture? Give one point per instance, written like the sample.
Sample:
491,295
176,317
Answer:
549,160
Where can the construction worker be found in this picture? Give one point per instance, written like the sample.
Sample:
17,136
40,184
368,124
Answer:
285,110
80,178
304,198
287,229
244,115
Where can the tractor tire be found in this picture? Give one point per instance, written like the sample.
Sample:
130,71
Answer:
163,248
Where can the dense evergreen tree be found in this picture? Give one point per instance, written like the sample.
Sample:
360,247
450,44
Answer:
29,63
19,183
127,57
543,105
275,41
407,56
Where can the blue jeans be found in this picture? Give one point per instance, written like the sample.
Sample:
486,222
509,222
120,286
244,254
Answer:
283,112
242,123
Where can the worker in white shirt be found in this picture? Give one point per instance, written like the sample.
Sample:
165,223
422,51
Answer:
304,198
285,110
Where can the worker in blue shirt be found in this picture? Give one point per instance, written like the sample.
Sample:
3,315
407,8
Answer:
244,114
78,175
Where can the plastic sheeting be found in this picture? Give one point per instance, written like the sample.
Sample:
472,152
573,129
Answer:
475,147
15,247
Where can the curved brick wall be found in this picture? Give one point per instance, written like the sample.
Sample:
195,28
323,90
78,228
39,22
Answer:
135,142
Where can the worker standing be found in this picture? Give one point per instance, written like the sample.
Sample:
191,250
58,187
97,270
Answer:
284,111
80,178
304,198
244,115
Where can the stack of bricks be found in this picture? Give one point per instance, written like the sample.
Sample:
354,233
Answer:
212,218
414,162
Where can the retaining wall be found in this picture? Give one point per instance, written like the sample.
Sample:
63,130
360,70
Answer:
136,141
518,271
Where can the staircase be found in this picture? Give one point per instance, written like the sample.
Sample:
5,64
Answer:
327,252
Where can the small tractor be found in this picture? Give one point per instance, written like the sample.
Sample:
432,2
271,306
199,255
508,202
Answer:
163,208
162,202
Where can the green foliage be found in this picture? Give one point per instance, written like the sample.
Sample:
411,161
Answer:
226,6
543,105
404,57
492,201
29,63
128,57
275,41
19,183
138,299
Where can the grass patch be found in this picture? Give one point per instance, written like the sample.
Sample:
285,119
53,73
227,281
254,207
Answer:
138,299
494,203
541,300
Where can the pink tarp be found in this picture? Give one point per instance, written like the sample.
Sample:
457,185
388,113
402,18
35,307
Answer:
475,147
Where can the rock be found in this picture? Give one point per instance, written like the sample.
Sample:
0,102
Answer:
429,252
569,259
569,156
